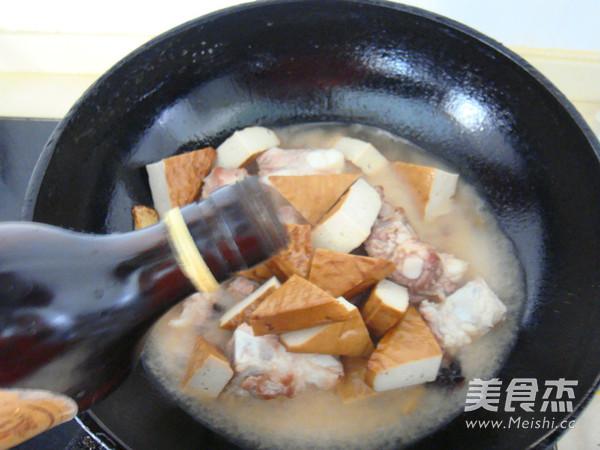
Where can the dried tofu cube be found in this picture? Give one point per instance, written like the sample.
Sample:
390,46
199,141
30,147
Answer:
433,188
342,274
240,312
313,195
177,181
208,370
143,216
385,306
348,224
406,355
243,145
349,337
295,305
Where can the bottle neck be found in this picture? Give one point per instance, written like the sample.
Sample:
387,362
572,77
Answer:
147,265
235,228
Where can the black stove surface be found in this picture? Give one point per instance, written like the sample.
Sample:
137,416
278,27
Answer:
21,141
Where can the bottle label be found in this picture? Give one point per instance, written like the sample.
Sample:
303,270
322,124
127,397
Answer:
187,254
25,413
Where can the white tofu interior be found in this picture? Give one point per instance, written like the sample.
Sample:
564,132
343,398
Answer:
159,188
393,295
242,144
339,234
409,374
296,338
442,191
363,204
361,154
350,147
351,224
370,161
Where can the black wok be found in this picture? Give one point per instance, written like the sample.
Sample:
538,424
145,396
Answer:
445,87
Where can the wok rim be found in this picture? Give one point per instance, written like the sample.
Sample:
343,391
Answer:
41,165
47,153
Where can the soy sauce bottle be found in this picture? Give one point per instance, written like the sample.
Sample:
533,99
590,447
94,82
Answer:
73,306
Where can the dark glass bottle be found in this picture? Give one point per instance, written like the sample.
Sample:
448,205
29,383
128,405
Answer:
73,306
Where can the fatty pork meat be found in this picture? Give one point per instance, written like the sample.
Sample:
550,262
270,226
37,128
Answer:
199,310
276,161
454,275
265,369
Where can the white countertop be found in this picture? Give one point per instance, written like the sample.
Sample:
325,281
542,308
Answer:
42,74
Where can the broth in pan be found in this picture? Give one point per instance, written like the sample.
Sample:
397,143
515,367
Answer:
441,263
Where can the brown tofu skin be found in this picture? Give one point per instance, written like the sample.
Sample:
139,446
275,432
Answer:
295,258
419,178
261,273
334,208
292,260
203,349
409,340
313,195
143,216
342,274
348,338
379,317
184,174
297,304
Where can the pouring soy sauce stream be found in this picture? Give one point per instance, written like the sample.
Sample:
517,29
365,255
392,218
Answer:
73,306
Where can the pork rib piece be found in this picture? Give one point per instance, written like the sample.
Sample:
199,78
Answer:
265,369
418,265
454,275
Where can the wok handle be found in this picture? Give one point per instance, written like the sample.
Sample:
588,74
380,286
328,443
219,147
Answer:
25,413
